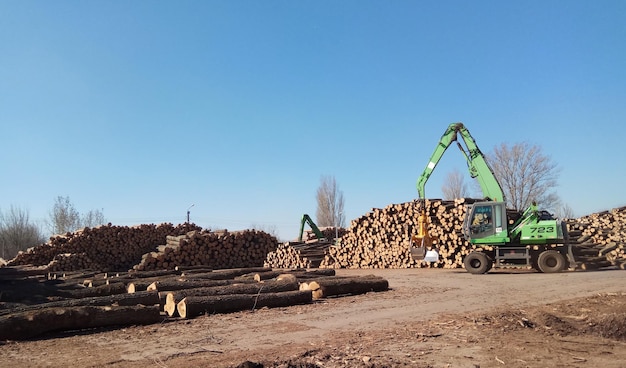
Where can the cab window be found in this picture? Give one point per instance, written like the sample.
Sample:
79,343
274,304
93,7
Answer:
482,219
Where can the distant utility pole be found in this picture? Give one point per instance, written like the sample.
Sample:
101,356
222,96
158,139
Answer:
337,225
188,211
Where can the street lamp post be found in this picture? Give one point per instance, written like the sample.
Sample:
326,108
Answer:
189,212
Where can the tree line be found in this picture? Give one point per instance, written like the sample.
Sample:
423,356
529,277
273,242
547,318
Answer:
19,232
525,174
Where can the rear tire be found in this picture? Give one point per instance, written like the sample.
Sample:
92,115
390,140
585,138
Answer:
551,261
477,263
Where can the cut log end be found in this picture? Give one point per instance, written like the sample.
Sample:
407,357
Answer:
170,305
181,307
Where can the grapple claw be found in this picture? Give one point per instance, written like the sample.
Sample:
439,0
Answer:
421,246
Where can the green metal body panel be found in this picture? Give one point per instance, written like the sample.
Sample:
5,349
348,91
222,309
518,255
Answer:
542,232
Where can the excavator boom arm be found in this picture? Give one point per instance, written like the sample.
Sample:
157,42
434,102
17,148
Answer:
476,162
478,168
307,219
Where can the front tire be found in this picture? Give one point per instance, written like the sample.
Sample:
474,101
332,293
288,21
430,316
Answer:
477,263
551,261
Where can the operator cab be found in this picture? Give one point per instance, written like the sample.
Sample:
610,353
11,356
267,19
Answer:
485,219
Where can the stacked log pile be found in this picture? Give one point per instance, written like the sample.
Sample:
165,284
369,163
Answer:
309,252
64,302
298,254
149,247
329,232
381,238
222,249
599,239
326,287
106,247
288,255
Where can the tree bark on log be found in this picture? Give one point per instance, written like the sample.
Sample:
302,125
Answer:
36,291
103,290
260,276
594,265
173,285
133,275
25,325
185,271
327,287
16,272
142,297
226,274
193,306
608,248
174,297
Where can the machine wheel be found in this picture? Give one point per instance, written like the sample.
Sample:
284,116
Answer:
489,264
477,263
551,261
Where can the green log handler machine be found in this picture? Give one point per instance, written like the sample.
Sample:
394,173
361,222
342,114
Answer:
533,238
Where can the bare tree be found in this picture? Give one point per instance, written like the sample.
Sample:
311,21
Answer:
270,229
564,211
329,203
93,218
17,232
65,218
526,175
454,185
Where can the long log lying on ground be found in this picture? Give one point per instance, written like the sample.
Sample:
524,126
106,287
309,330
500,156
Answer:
336,286
110,289
191,306
16,272
173,285
205,279
301,273
144,283
229,273
133,275
36,290
19,326
142,297
174,297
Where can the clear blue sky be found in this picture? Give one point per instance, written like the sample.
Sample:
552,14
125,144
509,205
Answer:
143,108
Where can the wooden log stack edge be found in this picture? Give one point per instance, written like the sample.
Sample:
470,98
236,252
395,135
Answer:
149,247
381,237
103,248
599,239
247,248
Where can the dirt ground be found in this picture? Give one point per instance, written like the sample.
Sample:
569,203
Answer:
428,318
